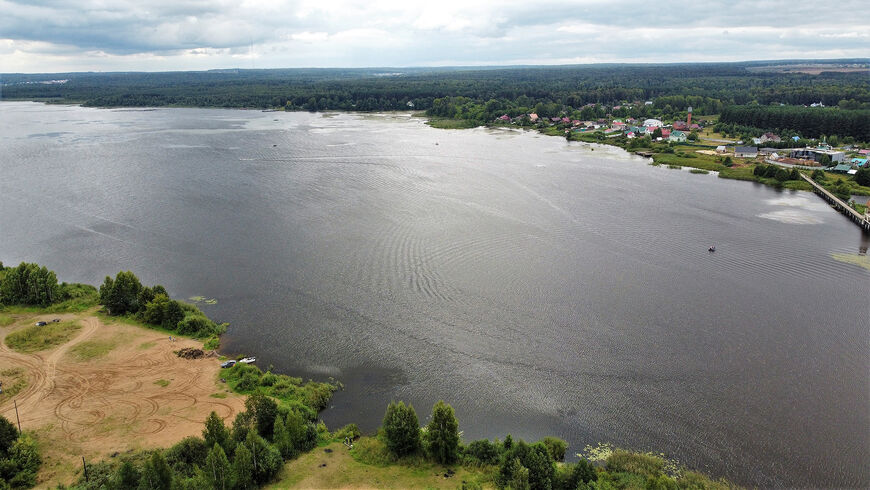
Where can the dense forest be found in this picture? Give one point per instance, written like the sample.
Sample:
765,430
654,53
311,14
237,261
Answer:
478,94
810,122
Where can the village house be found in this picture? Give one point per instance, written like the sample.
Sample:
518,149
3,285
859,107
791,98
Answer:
746,152
770,137
533,117
653,122
680,125
677,136
721,149
816,153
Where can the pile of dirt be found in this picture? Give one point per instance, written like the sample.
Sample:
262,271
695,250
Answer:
190,353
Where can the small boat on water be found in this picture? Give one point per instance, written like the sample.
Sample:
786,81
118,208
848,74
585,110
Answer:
712,248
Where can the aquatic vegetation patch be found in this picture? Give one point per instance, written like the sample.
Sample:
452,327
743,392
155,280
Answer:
856,259
197,300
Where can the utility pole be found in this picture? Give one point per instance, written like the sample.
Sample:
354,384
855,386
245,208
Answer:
16,416
85,466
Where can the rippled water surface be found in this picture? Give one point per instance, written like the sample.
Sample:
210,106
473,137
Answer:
540,287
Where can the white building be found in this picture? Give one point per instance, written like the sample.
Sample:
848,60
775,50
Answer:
652,122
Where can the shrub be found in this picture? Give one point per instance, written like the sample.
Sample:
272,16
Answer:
535,458
482,451
197,325
156,474
186,455
556,447
645,464
350,431
8,436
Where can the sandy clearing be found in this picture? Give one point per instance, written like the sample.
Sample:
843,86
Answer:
102,406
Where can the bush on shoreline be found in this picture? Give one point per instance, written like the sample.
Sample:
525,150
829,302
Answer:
125,295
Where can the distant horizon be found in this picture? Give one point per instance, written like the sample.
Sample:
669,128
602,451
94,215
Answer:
791,61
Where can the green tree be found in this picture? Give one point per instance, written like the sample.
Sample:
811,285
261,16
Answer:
657,133
442,434
121,295
215,432
817,175
401,429
243,467
483,450
519,476
8,436
508,442
127,476
242,424
217,469
556,447
156,474
299,432
29,284
172,315
582,472
825,160
862,177
693,136
264,410
266,458
23,463
536,458
794,174
187,455
281,438
781,174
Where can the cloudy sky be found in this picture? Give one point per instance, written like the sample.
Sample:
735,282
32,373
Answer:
152,35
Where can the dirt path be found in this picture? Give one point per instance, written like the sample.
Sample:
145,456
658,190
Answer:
139,395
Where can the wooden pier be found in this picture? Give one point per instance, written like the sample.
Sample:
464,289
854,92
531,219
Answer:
861,220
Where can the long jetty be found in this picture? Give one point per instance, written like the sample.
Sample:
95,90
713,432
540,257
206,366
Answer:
861,220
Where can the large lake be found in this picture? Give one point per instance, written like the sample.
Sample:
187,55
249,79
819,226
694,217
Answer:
540,287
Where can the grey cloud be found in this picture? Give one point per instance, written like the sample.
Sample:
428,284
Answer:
479,33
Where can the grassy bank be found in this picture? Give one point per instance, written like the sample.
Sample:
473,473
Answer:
36,338
446,123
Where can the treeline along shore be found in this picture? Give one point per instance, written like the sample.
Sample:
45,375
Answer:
276,439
